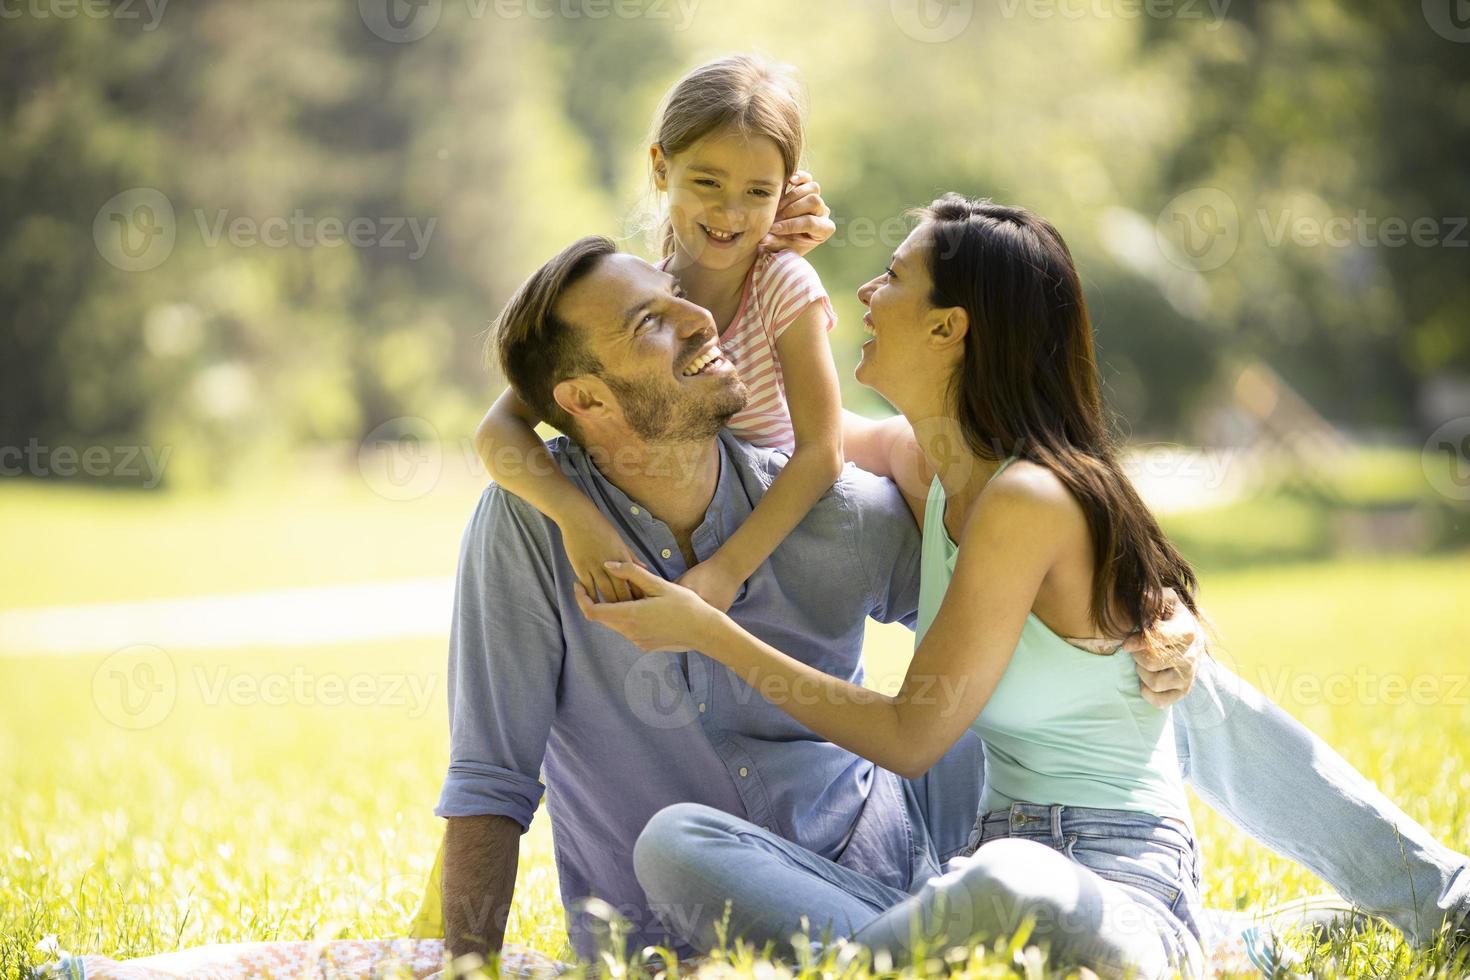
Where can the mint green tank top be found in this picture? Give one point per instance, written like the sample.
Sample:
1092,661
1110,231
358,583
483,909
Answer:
1063,726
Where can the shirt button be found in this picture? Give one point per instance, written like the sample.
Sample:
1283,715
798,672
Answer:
701,707
633,510
744,772
666,552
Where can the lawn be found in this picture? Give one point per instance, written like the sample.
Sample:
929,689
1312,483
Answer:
245,813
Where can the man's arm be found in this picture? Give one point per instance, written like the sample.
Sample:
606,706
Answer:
480,858
505,658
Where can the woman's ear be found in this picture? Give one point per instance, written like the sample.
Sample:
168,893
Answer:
583,398
948,326
658,163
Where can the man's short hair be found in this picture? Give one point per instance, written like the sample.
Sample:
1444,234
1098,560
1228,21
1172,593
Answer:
536,348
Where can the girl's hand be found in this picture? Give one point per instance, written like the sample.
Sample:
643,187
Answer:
590,545
714,585
802,218
669,617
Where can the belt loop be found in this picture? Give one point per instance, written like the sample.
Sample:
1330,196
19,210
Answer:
1056,822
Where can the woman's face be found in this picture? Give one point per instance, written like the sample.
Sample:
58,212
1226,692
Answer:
723,192
896,357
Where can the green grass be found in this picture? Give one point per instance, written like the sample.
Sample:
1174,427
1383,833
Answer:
234,818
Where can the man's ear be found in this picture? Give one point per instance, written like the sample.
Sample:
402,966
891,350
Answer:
584,398
948,326
658,163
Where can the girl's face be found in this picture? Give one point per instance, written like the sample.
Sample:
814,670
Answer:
898,359
723,192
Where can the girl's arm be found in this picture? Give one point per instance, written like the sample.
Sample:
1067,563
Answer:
517,459
1006,549
816,418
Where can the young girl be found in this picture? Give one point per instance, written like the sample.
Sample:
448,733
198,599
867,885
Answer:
726,144
1031,534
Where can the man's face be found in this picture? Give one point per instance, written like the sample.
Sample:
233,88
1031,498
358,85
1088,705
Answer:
660,353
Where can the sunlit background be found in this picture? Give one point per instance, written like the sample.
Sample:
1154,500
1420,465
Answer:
248,252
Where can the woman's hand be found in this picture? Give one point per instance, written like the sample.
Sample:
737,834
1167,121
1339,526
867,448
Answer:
1167,661
669,617
802,218
713,583
590,544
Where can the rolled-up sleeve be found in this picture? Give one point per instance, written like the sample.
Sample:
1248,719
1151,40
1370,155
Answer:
505,659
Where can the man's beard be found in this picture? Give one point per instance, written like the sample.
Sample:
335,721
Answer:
659,412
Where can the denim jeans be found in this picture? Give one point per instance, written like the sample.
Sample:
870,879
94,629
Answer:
1266,772
1107,889
1248,759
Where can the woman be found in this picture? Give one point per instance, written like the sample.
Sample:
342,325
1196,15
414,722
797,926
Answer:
1032,534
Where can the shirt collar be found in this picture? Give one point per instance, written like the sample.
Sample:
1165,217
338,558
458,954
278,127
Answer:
733,500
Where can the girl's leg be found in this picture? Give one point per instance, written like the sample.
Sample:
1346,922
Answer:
692,859
1081,917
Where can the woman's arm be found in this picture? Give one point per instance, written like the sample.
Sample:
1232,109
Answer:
816,417
517,459
1006,549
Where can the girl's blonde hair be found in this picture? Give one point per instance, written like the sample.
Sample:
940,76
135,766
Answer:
756,97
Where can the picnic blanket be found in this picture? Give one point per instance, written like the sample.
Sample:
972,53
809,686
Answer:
1245,946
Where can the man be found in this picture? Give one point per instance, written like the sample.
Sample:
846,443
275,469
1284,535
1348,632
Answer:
596,342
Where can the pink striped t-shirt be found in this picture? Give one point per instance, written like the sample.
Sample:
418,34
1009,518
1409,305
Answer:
780,287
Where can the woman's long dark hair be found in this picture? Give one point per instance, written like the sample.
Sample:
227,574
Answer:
1027,385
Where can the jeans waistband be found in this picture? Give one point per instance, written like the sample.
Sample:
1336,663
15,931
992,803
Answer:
1053,823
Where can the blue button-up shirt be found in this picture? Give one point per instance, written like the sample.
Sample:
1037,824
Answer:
535,689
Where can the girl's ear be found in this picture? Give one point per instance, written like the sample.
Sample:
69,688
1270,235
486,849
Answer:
658,162
583,398
948,326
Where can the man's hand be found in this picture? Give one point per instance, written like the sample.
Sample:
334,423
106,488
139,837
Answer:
669,617
802,218
1166,665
